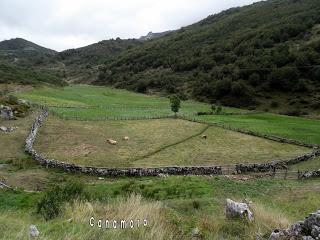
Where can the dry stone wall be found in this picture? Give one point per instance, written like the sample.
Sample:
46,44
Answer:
265,167
311,174
51,163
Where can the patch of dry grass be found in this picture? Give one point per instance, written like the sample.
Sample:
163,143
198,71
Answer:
15,225
223,147
85,143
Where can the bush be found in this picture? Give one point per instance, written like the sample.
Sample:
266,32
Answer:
222,88
238,89
51,204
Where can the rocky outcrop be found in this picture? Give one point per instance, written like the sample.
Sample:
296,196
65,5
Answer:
51,163
238,210
308,229
6,112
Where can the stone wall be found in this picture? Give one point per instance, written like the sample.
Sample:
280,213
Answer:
265,167
311,174
51,163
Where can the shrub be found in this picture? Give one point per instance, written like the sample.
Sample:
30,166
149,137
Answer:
238,89
274,104
222,87
51,204
175,103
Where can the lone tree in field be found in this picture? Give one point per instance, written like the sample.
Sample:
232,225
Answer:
175,104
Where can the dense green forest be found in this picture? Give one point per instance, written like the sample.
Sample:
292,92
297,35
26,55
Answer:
235,57
96,53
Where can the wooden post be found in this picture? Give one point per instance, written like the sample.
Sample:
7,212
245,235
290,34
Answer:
286,173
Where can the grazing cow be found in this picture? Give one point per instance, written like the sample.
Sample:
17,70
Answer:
126,138
204,136
112,142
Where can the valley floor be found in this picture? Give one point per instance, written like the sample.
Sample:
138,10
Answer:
174,205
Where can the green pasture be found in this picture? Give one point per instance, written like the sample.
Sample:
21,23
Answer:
93,102
306,130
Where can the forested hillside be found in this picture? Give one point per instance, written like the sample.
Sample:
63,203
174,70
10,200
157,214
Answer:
10,73
81,64
241,57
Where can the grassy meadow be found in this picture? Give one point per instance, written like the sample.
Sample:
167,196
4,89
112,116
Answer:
83,102
154,143
305,130
93,102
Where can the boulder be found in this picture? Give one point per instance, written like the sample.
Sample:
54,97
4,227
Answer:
6,112
308,229
33,231
238,210
7,129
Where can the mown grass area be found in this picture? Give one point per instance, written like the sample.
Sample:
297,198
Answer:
154,143
302,129
173,206
103,102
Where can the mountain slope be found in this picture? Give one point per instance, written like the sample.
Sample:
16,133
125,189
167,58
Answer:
20,44
10,73
24,53
81,64
240,57
23,62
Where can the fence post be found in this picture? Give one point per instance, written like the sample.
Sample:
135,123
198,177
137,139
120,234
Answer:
286,173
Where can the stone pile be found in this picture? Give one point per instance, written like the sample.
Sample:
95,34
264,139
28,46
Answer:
6,112
308,229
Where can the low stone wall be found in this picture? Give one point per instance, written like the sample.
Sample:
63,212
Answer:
310,174
265,167
51,163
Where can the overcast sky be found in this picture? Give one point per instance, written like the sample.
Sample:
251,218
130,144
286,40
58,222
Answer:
63,24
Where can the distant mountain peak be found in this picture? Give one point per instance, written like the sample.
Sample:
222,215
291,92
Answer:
152,35
20,44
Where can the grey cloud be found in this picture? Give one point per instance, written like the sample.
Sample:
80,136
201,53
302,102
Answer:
61,24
